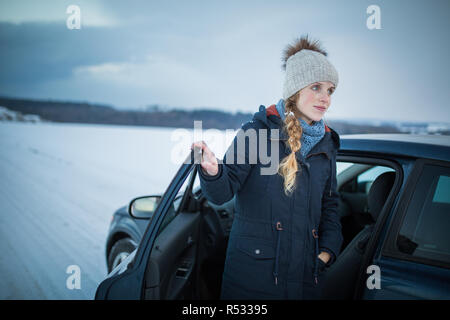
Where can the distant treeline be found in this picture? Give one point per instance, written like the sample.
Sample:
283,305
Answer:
81,112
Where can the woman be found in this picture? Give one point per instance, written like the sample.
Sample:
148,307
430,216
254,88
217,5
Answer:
286,228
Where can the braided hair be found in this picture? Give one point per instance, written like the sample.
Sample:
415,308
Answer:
288,166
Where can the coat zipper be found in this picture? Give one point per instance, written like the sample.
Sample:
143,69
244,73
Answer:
307,165
314,231
316,253
279,228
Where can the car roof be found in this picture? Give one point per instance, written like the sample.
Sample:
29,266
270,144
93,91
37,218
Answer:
410,145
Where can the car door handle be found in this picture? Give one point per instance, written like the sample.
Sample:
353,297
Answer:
183,270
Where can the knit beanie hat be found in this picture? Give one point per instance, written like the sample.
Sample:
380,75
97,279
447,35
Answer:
306,67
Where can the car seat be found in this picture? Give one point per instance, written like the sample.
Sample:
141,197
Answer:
339,280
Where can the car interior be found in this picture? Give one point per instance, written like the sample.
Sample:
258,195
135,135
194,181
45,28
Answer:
188,256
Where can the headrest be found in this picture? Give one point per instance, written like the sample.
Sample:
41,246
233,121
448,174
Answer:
379,192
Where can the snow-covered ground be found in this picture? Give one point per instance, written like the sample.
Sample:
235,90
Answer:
60,184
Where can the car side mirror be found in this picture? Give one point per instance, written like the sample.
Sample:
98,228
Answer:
143,207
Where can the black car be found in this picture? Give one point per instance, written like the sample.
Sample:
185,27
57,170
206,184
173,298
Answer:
395,214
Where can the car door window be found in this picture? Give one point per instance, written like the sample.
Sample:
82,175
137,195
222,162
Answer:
424,231
175,208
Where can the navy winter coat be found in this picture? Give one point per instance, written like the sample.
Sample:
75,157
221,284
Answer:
275,239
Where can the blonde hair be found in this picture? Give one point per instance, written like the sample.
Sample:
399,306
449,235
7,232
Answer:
288,166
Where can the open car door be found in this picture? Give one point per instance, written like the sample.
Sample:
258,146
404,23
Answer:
163,265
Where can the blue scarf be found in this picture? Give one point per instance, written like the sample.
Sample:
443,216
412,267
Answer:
312,134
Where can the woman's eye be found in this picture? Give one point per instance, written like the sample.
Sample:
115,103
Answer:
315,87
330,91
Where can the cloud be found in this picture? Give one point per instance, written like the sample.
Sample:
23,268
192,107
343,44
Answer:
34,52
161,77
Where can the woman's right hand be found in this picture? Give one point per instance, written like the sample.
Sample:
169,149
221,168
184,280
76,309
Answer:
209,161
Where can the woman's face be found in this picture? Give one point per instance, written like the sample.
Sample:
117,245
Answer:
314,100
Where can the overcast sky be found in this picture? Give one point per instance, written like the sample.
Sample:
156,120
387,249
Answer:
227,54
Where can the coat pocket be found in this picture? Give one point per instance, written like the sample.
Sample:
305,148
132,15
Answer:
249,266
256,248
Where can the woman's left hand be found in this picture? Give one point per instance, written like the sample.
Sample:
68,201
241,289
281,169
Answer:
324,256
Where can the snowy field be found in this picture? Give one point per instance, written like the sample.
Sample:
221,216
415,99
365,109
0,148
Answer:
60,184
